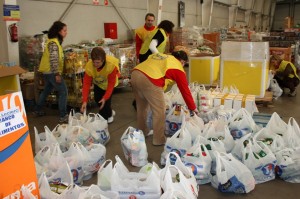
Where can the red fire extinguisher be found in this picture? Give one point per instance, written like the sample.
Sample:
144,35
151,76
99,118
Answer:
13,31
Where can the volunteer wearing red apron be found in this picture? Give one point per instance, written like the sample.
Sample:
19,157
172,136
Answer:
103,71
143,32
148,80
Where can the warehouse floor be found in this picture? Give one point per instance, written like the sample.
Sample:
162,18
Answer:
126,116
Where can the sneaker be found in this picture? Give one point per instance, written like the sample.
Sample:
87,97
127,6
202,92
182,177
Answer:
38,113
110,119
292,94
64,119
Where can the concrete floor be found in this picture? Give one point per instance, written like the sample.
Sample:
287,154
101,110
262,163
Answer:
126,116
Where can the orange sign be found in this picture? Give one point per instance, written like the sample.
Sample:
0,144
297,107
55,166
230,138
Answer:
17,167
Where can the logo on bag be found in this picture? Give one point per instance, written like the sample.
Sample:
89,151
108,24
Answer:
268,169
193,167
173,126
103,135
173,158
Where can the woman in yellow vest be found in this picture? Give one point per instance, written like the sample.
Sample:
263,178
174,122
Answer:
285,74
148,80
51,67
157,40
103,71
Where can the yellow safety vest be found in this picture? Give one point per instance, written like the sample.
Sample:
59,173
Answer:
157,65
100,78
283,65
45,61
161,47
143,33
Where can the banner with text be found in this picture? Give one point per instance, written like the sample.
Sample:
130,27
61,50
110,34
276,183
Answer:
17,167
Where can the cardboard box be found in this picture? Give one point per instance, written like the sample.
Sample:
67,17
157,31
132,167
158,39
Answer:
224,99
28,91
204,70
244,101
283,53
246,66
9,79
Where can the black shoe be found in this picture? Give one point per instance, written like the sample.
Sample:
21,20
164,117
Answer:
38,113
134,104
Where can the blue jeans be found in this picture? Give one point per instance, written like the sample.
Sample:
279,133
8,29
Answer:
62,90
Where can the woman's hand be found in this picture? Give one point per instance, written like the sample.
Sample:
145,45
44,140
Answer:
58,79
83,107
101,102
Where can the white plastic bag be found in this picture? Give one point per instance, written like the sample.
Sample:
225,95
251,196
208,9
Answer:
44,188
94,156
135,184
95,192
292,135
274,141
241,124
75,158
199,160
174,120
288,161
43,139
134,146
276,124
275,88
260,160
173,158
180,142
175,180
232,176
98,128
104,175
194,125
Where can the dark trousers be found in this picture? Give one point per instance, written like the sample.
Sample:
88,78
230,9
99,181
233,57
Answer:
106,111
290,83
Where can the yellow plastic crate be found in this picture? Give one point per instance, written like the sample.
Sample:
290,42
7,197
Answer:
204,70
246,66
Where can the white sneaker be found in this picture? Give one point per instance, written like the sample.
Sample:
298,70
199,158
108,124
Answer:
110,119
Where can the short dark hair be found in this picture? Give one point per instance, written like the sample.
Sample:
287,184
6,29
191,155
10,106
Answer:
149,14
54,30
98,54
167,26
180,55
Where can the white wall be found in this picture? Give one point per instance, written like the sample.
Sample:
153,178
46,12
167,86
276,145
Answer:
85,21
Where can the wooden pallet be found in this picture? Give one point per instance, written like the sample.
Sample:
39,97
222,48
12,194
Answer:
268,98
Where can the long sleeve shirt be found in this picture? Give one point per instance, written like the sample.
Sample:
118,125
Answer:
87,82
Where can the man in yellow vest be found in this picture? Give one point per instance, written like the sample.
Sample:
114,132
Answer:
143,32
285,74
148,80
103,71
